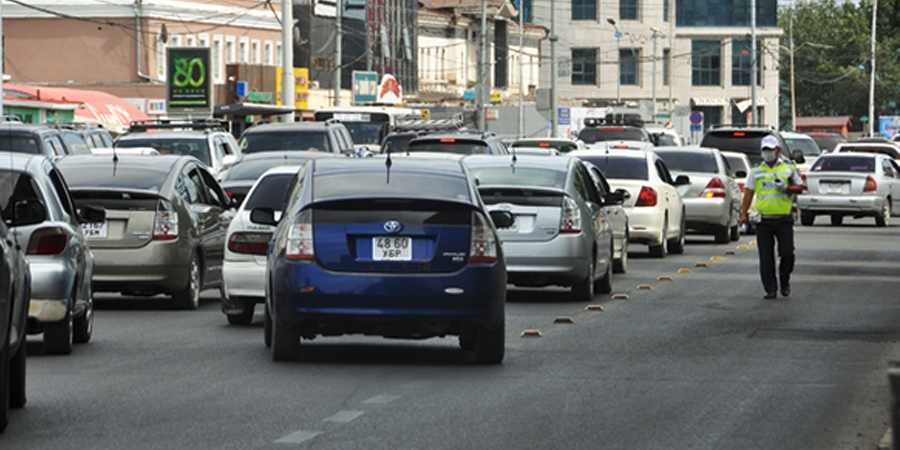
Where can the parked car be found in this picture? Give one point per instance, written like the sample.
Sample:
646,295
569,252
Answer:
247,243
656,214
545,145
458,142
207,140
712,199
33,139
15,282
827,141
664,136
883,148
414,255
241,176
560,235
618,217
166,218
42,216
851,184
329,136
622,131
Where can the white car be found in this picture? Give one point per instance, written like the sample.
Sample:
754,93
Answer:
803,143
656,214
664,136
246,244
741,166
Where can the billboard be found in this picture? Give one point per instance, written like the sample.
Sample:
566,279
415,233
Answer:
189,81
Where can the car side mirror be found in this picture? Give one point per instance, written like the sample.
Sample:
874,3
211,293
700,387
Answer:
682,180
92,214
263,216
502,219
228,160
28,211
797,156
618,197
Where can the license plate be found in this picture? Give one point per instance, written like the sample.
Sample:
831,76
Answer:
835,188
392,248
96,230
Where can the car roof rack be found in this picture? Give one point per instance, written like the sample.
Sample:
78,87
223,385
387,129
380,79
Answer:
454,123
178,124
630,119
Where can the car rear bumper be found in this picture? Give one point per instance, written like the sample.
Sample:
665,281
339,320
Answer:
707,211
645,225
156,267
562,260
826,204
242,281
51,291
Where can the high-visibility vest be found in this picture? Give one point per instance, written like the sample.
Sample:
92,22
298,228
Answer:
769,200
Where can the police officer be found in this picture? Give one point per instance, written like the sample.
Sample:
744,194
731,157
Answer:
773,182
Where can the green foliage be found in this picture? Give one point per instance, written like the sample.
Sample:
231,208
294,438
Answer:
831,40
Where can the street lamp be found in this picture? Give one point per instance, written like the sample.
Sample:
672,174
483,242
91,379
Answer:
656,34
618,36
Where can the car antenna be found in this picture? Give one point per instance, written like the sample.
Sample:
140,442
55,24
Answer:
514,159
387,164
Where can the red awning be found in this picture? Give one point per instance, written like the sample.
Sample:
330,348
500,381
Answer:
111,111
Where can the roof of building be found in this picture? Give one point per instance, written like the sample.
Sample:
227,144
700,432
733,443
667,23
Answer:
829,122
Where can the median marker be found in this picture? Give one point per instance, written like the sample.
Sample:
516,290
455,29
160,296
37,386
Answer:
563,319
594,308
644,287
729,252
715,258
620,297
684,270
531,333
664,278
743,247
702,264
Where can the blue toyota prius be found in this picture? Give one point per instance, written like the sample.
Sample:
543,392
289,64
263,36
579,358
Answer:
400,248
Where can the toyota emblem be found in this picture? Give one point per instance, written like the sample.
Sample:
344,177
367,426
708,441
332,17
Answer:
392,227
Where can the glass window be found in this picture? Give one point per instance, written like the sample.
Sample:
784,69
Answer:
62,191
690,161
584,9
345,185
20,144
619,167
270,192
628,9
313,141
628,66
584,66
705,63
523,176
740,63
725,13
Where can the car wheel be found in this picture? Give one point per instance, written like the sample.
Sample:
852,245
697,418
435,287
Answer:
736,232
676,246
84,324
58,336
604,284
837,219
884,219
285,342
17,397
189,298
621,265
244,317
723,234
4,387
267,327
490,344
658,251
584,289
807,218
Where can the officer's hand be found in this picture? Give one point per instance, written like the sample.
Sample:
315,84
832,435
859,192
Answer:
780,185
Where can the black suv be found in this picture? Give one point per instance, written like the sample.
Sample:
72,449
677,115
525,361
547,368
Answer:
459,142
744,139
614,127
33,139
329,136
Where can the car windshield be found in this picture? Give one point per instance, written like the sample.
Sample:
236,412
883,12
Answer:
397,142
807,146
269,192
196,147
20,144
449,146
864,164
310,141
592,135
366,133
77,143
561,146
619,167
521,176
689,161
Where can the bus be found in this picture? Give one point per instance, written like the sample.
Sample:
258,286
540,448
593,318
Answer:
368,125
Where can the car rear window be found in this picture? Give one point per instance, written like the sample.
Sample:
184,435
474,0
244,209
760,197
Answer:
20,144
593,135
562,147
119,201
396,184
270,192
520,196
382,210
196,147
689,161
448,146
806,146
737,163
863,164
892,152
116,176
619,167
521,176
300,140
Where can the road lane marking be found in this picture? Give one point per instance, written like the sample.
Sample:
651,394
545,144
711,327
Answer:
298,437
344,416
382,399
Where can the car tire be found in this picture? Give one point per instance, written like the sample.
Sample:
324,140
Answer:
837,220
584,289
723,234
84,324
59,336
736,232
659,251
243,318
4,387
267,327
189,298
884,219
285,342
807,218
604,284
490,343
676,246
17,397
621,265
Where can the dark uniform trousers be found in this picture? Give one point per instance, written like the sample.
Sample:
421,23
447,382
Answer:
769,230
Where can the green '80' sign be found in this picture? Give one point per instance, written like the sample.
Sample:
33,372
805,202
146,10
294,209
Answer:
188,79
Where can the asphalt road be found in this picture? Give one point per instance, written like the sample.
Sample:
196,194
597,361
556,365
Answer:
685,354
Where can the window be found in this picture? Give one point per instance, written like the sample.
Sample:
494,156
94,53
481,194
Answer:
269,57
628,66
278,54
160,59
243,51
190,41
666,67
203,40
740,63
584,9
216,59
255,56
628,9
665,10
705,63
584,66
727,13
229,50
175,40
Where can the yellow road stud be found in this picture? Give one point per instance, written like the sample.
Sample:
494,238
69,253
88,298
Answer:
531,333
563,319
620,296
644,287
664,278
594,308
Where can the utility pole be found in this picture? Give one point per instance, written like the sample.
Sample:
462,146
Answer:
753,62
793,94
872,73
671,60
338,43
480,83
655,35
287,58
521,73
618,36
554,101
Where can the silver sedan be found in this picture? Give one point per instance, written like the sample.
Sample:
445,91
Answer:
851,184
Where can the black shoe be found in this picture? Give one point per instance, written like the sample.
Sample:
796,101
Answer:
786,290
770,295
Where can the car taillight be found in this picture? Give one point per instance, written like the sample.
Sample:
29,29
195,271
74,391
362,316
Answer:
299,245
165,225
48,241
570,217
249,243
714,189
871,185
647,197
484,245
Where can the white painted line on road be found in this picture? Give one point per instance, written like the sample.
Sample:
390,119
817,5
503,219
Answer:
298,437
344,416
382,399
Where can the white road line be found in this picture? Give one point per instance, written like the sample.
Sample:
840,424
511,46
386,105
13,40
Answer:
382,399
344,416
298,437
